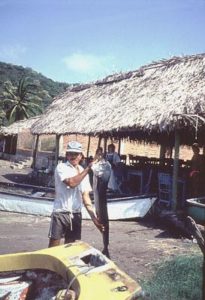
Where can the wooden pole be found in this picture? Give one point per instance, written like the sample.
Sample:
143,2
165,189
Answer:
99,141
119,146
57,149
162,151
105,144
171,152
11,144
175,170
36,142
197,231
88,147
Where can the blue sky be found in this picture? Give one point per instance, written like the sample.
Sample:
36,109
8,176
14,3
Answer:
85,40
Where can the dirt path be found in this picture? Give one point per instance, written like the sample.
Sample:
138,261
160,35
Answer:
134,246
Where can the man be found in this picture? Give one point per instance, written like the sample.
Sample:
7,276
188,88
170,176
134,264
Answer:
197,174
72,188
116,172
112,156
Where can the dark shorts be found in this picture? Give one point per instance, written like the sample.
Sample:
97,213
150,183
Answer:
63,225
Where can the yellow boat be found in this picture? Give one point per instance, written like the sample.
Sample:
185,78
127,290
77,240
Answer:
87,274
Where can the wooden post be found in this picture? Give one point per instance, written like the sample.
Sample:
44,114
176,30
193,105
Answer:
198,232
171,152
35,150
162,151
175,170
57,149
105,144
88,147
99,141
119,146
11,145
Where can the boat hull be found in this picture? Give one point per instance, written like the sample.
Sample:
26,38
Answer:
118,208
196,209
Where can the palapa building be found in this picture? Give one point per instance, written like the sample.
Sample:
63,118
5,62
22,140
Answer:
163,102
153,104
150,104
17,139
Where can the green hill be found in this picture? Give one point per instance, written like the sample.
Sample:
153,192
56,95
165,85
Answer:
14,73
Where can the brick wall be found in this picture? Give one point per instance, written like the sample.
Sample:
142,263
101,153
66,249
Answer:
135,148
25,140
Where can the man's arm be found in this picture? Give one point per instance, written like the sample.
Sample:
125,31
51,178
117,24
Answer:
89,207
76,180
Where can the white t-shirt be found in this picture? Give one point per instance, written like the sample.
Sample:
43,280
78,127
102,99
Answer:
66,198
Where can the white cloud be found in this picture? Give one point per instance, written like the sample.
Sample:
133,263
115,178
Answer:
12,53
91,65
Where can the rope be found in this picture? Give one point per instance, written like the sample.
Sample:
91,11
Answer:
78,274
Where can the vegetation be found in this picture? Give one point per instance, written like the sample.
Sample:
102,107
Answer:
15,81
176,279
22,101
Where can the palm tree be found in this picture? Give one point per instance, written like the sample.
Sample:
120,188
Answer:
24,100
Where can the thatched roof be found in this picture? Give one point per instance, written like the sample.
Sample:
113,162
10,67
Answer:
141,104
19,126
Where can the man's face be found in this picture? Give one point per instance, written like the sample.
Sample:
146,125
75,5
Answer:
111,149
74,158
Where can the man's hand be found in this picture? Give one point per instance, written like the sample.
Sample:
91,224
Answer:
100,226
93,162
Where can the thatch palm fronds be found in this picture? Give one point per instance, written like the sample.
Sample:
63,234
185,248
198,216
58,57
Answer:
18,126
146,104
22,101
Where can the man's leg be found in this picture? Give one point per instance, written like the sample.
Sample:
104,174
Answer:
73,231
53,243
56,229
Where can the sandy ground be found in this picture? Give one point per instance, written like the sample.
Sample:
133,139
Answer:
135,246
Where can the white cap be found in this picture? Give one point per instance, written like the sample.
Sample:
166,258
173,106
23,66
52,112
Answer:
74,146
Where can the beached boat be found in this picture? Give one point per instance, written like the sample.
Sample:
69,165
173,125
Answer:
196,209
39,201
72,271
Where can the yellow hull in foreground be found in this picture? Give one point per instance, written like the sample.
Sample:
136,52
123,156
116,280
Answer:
86,271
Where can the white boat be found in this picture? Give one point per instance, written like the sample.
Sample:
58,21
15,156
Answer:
21,199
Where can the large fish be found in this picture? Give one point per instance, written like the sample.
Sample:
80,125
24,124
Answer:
101,175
